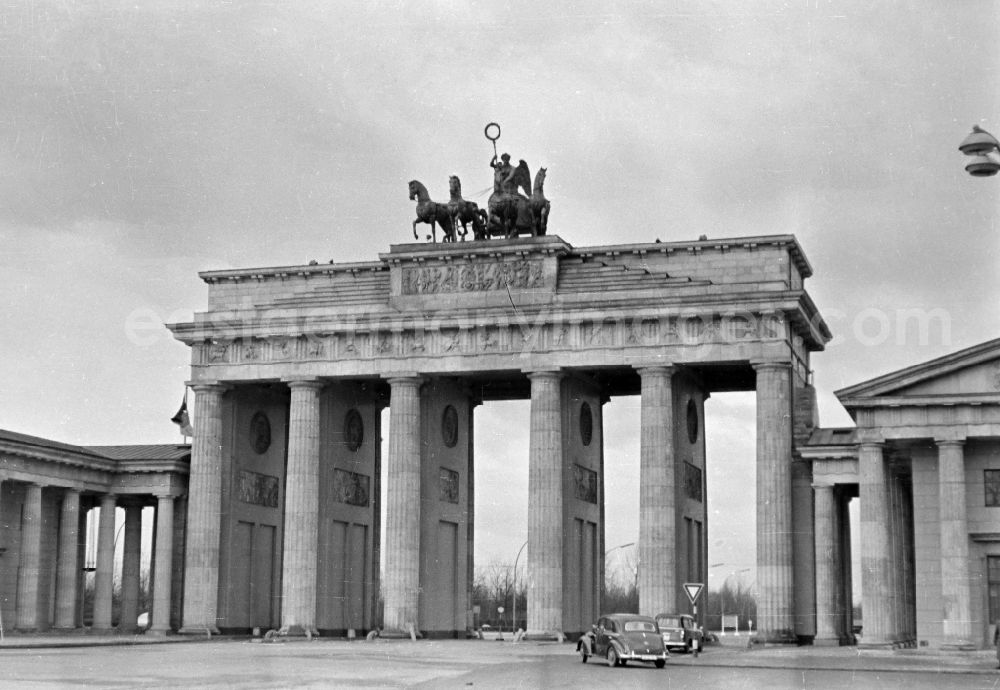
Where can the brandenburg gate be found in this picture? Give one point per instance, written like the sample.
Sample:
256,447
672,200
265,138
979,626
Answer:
291,367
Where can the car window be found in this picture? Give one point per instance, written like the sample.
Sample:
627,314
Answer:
612,626
669,622
639,626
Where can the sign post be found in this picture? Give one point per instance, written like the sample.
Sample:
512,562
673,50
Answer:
693,591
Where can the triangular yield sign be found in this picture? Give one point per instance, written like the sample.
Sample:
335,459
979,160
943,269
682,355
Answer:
693,590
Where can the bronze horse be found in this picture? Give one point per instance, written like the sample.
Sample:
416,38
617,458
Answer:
539,204
464,212
432,213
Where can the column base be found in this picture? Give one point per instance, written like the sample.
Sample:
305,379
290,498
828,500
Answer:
159,632
544,636
199,630
959,647
785,637
876,645
397,634
831,641
298,631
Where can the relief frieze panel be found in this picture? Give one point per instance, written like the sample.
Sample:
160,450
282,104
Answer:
536,333
585,484
257,489
524,274
351,488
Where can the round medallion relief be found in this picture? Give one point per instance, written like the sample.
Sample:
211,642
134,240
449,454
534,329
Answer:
354,430
260,433
692,421
586,424
449,426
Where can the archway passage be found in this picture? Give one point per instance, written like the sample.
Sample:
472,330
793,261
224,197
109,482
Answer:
428,329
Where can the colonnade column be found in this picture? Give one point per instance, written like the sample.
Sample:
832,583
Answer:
402,507
131,558
104,578
775,607
876,555
545,506
68,567
956,596
298,578
201,562
827,565
845,593
162,563
657,571
31,554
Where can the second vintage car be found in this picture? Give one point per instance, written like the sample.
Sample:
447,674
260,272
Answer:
680,632
624,637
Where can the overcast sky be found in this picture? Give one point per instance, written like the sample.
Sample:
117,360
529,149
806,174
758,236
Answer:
143,142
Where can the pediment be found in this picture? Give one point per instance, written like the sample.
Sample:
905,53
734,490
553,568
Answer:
973,372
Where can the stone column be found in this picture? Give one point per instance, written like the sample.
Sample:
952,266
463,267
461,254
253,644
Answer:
827,567
28,586
845,601
876,557
68,568
201,562
104,578
956,596
775,606
909,564
545,507
657,571
402,508
298,564
896,557
131,558
162,563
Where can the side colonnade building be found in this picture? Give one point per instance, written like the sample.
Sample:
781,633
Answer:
47,490
924,461
291,367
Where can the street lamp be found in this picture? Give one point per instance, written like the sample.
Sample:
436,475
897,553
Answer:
513,613
980,146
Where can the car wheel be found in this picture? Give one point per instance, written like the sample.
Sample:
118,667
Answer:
613,657
660,663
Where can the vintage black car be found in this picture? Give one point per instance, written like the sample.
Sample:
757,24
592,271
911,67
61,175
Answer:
680,632
623,637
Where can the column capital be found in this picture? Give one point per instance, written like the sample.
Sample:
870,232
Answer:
868,437
655,369
304,383
405,379
201,387
949,442
820,487
553,374
769,364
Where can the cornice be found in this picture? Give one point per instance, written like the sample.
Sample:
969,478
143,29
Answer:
955,400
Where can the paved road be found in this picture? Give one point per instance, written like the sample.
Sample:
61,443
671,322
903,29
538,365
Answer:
476,664
555,673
